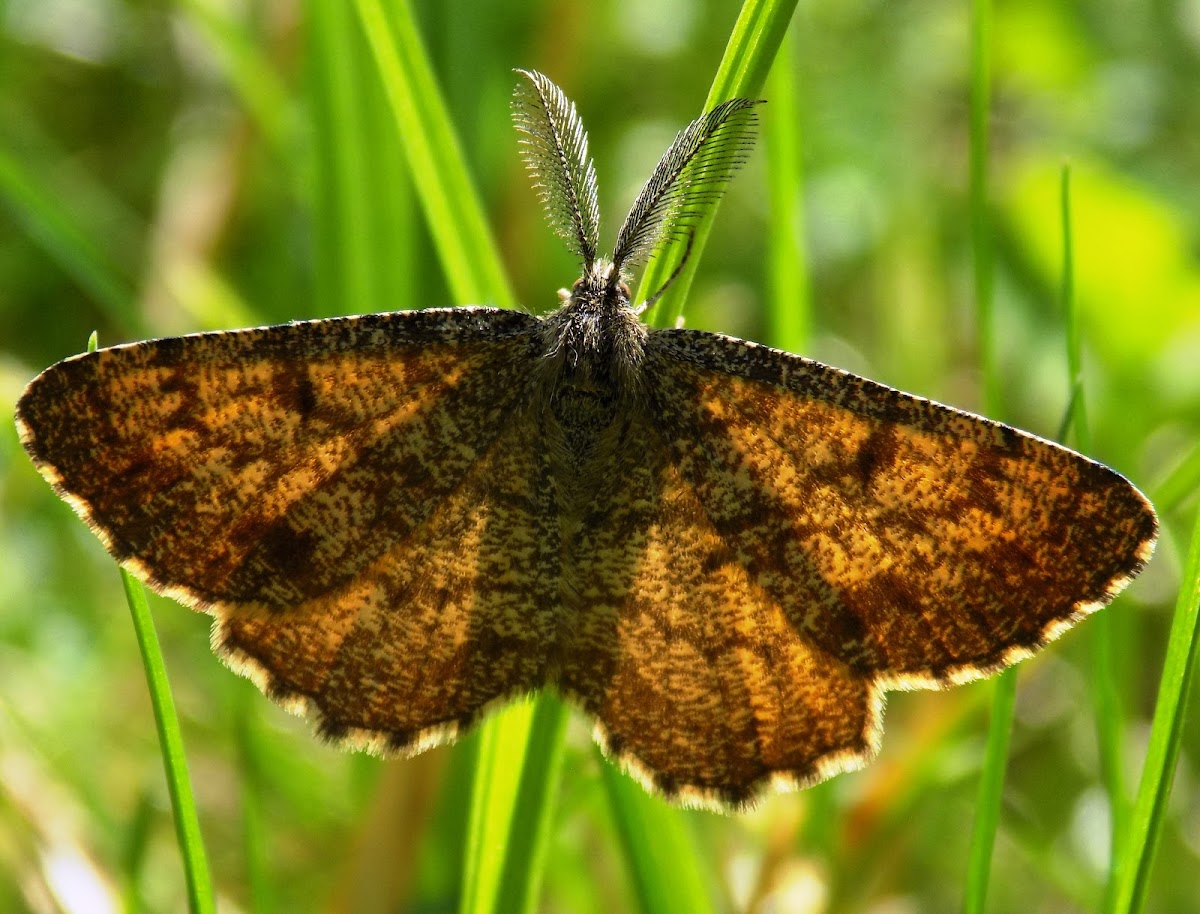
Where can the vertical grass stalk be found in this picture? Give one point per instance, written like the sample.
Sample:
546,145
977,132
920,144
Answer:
1105,696
453,211
1004,690
170,741
1136,852
787,306
660,849
749,53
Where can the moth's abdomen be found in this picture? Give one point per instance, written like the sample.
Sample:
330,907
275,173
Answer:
582,416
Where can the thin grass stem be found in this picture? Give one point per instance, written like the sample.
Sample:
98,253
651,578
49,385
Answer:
749,53
991,781
170,741
1105,695
659,847
1136,859
788,307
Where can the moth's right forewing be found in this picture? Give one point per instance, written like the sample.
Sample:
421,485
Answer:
920,544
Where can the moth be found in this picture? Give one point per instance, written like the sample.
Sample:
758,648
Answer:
723,553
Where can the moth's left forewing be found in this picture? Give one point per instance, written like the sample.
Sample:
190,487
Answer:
354,500
920,544
257,465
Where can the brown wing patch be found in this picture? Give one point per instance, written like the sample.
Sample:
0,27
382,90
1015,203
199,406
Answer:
919,544
268,466
454,617
700,683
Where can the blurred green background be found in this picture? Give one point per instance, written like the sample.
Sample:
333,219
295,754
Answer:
204,164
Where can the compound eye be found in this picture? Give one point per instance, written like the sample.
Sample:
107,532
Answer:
577,285
623,287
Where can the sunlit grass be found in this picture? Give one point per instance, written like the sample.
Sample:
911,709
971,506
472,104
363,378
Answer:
1004,690
201,899
1135,867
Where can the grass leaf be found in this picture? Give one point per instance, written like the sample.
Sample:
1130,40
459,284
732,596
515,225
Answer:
787,306
1136,860
170,739
660,851
452,208
1004,691
749,53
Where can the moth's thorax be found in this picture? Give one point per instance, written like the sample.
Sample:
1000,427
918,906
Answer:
595,341
592,355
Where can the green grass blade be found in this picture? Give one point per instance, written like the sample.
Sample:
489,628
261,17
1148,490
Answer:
363,225
1105,694
1180,483
664,862
528,837
751,50
1004,691
788,308
991,792
520,759
456,219
170,739
503,738
1136,860
342,165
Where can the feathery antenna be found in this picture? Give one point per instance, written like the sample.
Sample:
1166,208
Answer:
554,146
688,179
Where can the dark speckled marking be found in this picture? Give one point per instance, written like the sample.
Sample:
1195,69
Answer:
875,455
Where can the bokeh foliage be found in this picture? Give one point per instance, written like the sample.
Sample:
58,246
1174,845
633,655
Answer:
171,167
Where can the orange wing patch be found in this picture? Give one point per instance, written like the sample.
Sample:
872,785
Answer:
919,544
451,619
700,683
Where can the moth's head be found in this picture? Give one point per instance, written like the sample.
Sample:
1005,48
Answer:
601,285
